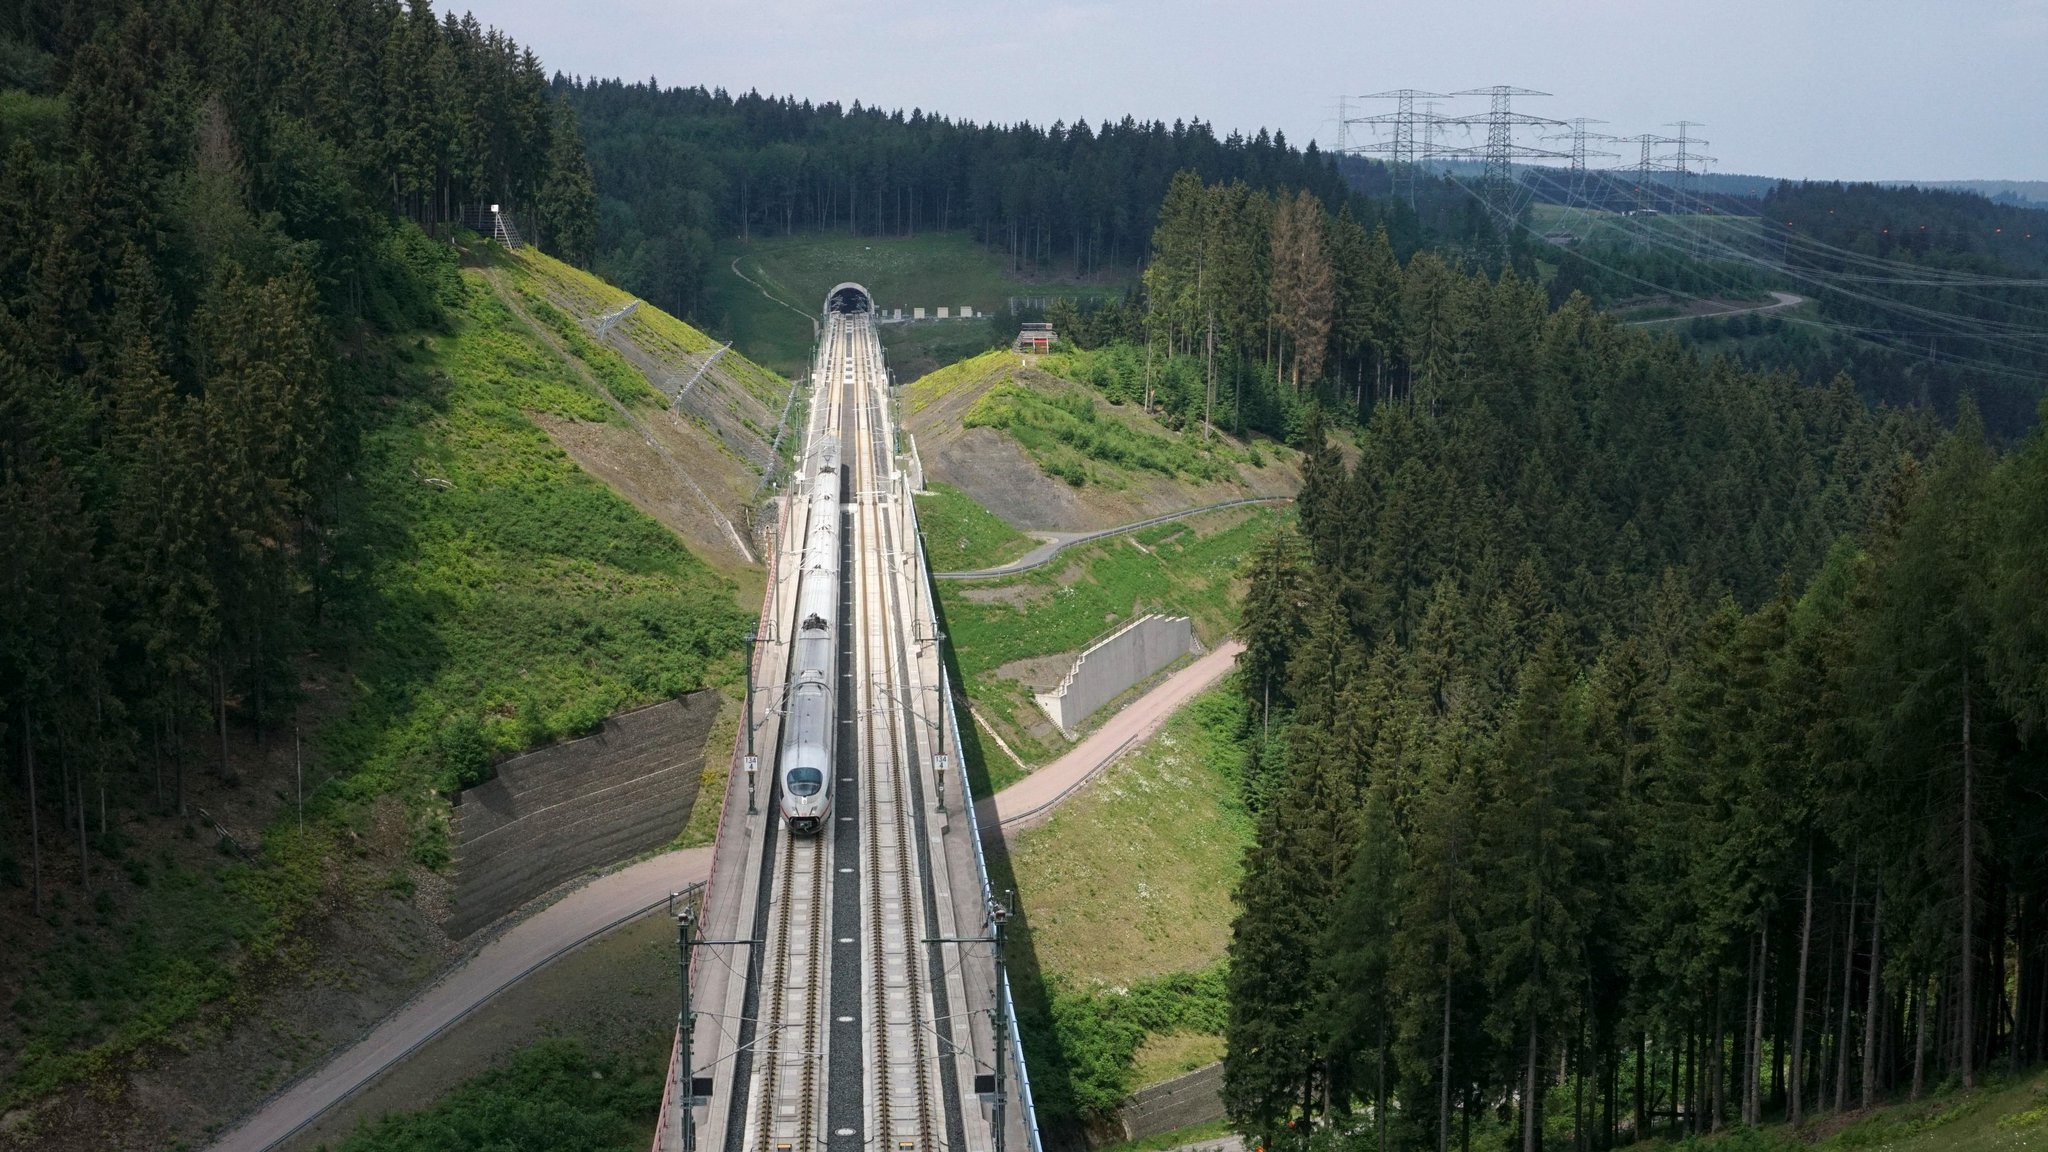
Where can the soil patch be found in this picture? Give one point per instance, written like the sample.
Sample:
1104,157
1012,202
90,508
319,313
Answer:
1038,673
1015,595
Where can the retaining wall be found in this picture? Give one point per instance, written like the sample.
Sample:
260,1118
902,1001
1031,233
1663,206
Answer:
1110,667
559,812
1182,1102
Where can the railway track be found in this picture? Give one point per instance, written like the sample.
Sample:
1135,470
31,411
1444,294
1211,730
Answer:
904,1116
790,1049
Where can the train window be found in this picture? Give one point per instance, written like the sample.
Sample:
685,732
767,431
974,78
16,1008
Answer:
805,781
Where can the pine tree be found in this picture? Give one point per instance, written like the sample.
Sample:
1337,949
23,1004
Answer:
567,208
1540,842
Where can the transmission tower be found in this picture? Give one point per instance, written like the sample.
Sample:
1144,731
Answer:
1403,150
1579,138
1497,186
1649,163
1682,162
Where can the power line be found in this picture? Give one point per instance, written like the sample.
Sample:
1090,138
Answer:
1404,152
1499,189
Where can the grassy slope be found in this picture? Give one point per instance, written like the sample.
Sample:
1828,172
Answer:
940,383
961,535
2006,1113
554,1094
489,595
932,270
1128,887
1185,568
525,600
1132,877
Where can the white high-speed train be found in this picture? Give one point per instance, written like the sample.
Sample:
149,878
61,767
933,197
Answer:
809,734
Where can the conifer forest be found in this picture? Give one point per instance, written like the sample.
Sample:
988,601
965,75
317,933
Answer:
1644,717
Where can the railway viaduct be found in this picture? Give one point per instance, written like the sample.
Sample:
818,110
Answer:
844,992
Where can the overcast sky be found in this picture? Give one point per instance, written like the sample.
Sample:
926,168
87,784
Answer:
1847,89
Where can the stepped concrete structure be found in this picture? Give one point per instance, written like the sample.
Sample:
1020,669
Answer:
559,812
1115,664
1182,1102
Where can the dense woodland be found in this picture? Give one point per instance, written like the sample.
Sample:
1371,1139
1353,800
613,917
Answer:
207,221
679,169
1645,745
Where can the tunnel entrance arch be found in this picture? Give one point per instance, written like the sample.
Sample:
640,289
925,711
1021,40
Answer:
849,298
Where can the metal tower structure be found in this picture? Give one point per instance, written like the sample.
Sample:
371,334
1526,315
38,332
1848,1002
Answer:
1650,162
1404,150
1498,187
1579,138
1682,161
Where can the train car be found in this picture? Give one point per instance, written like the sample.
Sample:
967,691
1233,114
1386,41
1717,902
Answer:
809,734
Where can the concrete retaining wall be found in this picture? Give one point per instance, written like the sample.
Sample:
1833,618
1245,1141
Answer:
1182,1102
571,808
1111,666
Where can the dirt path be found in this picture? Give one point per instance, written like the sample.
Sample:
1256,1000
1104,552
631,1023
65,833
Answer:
589,912
1780,302
1028,801
615,899
1057,542
763,289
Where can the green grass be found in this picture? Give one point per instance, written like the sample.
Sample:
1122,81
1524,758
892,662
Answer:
1178,1138
518,600
2004,1114
1185,568
961,535
621,379
1132,877
1065,435
553,1095
931,270
943,382
1126,893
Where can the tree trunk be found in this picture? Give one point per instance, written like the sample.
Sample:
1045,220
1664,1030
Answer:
1379,1107
84,861
220,710
1964,1002
177,756
1920,1039
1717,1070
1529,1143
1443,1079
1754,1088
1870,1013
1742,1053
1642,1056
1209,399
1798,1081
35,826
1842,1023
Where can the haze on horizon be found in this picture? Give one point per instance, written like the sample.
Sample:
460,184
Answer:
1870,90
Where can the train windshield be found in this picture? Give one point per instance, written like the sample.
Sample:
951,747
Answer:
805,781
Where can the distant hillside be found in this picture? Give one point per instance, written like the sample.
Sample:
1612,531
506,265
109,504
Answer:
2020,193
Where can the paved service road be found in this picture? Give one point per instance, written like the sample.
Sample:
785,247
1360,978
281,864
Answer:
617,897
589,911
1030,800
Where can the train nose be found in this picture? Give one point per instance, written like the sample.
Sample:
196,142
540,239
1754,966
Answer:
804,825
